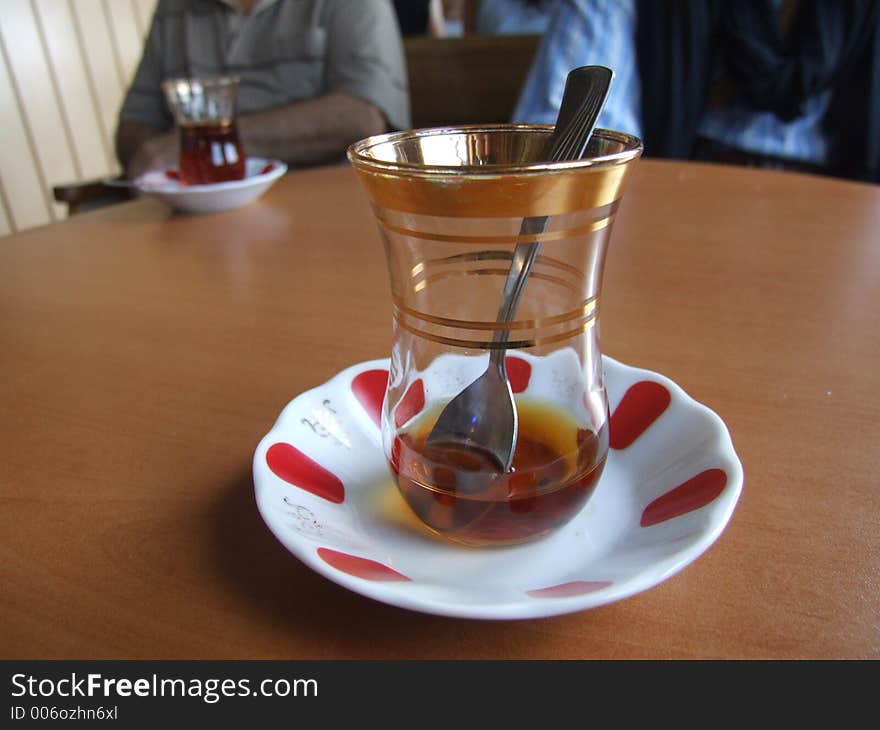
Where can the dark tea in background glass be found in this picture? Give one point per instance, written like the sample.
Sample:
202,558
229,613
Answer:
210,152
210,148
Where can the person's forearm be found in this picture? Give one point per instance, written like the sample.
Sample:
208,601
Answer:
302,133
130,138
310,132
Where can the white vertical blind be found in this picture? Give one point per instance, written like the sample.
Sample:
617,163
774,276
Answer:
24,190
29,67
64,67
76,97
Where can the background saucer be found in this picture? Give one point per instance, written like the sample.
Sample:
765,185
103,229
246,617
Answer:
260,175
670,485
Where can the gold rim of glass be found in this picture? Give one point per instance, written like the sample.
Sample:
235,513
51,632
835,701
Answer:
358,153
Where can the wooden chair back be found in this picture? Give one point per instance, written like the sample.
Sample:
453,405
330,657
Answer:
471,79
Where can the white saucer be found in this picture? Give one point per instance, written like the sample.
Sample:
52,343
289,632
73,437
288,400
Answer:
670,485
215,197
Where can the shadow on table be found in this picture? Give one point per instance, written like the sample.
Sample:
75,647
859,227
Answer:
326,620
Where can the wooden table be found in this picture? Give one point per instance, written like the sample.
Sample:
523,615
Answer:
144,354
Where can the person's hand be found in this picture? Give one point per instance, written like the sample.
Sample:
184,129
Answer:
156,153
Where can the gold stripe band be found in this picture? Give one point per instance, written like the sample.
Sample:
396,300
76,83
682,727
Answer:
587,309
559,235
542,260
491,345
539,275
425,272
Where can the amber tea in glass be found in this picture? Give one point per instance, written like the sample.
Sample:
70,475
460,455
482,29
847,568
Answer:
210,152
460,493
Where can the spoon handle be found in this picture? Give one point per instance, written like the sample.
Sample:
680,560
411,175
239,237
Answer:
585,92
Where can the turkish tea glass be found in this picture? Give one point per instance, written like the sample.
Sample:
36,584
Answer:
204,109
450,204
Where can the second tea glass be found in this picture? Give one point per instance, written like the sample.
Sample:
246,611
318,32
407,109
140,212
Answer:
205,112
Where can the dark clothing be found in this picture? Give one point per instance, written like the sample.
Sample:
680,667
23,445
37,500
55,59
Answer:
688,49
412,16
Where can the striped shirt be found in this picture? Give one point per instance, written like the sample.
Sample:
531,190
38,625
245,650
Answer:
283,51
585,32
